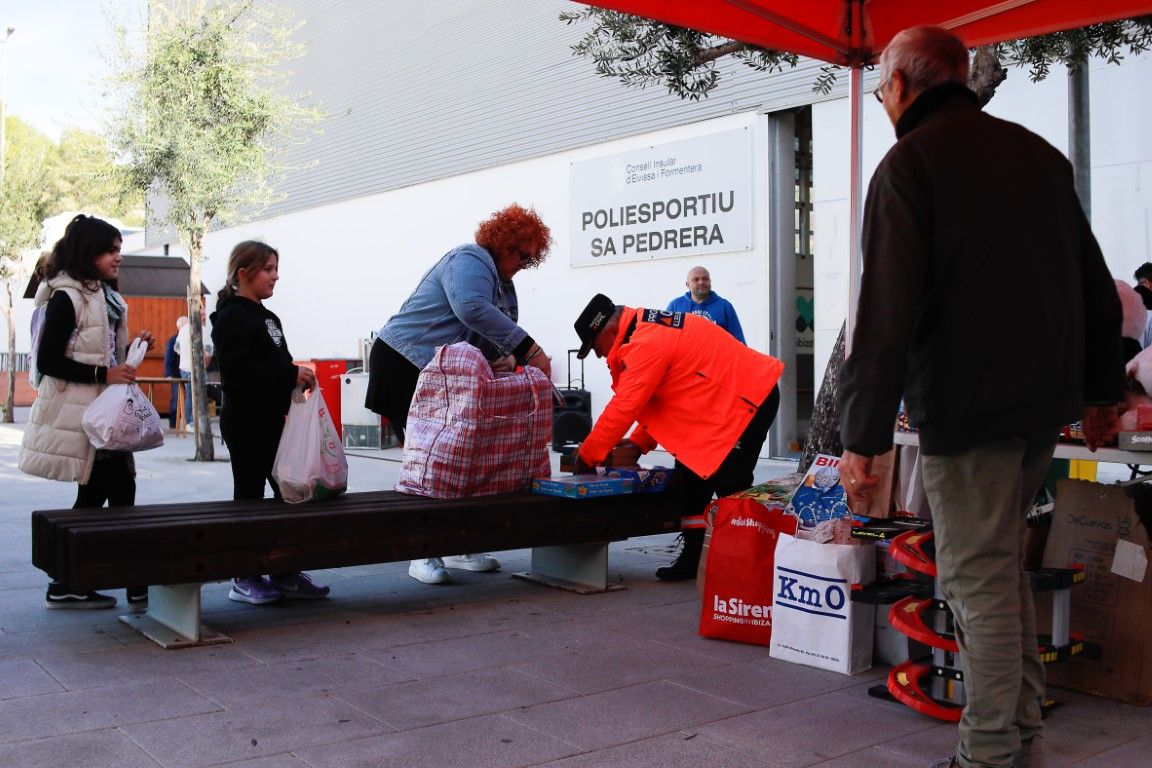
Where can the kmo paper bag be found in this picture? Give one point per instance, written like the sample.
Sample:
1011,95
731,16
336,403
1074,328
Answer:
814,621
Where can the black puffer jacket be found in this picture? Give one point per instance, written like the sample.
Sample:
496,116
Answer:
985,300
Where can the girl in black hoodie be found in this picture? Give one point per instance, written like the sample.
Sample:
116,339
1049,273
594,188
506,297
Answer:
257,375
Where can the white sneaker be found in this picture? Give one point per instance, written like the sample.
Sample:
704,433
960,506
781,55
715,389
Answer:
430,571
477,562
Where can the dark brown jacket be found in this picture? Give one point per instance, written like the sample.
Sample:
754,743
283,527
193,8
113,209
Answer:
985,300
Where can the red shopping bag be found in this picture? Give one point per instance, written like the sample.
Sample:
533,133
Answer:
736,603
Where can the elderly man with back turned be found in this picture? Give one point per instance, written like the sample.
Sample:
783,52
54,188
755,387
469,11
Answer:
687,385
701,300
986,303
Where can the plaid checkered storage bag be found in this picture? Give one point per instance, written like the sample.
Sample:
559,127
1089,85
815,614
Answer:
472,432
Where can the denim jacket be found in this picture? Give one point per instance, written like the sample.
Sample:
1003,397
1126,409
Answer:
461,298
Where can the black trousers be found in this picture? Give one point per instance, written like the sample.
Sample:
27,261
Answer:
113,480
735,472
252,450
391,386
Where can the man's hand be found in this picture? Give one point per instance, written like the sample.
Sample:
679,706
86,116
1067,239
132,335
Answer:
1101,423
859,482
579,467
625,454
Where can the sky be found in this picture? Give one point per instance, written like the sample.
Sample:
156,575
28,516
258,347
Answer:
55,61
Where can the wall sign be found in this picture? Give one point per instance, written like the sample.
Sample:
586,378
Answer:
677,199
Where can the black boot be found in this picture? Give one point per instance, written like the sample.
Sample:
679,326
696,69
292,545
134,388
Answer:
684,567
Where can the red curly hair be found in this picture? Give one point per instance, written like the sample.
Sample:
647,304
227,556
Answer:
515,232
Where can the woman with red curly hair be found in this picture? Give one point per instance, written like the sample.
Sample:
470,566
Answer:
467,295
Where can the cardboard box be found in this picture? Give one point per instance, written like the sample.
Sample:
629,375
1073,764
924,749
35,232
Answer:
1090,523
645,479
1135,441
583,486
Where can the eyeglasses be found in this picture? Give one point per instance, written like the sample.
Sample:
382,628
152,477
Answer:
879,92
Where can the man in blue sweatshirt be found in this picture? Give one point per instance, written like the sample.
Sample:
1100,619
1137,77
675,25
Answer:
702,300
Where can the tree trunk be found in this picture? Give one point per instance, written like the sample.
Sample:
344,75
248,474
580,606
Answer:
986,74
201,427
824,430
10,316
1080,135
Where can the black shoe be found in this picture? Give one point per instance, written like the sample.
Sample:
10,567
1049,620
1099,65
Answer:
59,596
684,567
137,598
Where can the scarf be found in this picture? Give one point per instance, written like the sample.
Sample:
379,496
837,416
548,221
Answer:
115,305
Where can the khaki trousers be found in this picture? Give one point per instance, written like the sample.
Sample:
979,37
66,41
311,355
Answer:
979,499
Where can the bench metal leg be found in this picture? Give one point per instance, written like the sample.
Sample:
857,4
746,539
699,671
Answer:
581,568
173,618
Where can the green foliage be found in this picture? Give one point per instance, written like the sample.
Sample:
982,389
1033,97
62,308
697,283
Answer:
24,201
203,108
1074,47
640,52
83,177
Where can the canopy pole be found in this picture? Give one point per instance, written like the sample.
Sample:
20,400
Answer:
855,193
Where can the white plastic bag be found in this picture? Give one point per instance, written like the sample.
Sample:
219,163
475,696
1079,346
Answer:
310,462
121,418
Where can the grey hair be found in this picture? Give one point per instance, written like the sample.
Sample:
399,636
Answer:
927,56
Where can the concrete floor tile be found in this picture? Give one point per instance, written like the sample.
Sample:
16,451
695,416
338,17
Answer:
1069,740
57,714
462,654
480,742
251,686
349,633
624,715
674,750
452,697
795,734
289,725
25,678
99,748
616,664
139,663
1135,753
763,683
275,761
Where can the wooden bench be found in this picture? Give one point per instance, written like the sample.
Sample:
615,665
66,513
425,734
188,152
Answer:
175,548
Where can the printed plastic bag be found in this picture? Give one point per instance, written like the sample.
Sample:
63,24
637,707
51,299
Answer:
736,602
121,418
310,463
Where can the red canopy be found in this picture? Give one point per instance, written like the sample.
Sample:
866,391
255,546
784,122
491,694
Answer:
853,32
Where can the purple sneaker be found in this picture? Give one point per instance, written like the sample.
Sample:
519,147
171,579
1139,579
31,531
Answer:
299,586
254,589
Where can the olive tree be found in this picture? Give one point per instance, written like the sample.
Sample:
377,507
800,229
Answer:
203,116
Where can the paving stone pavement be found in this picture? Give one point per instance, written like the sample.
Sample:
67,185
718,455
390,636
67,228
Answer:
489,671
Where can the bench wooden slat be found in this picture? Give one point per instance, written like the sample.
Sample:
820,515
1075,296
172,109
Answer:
209,541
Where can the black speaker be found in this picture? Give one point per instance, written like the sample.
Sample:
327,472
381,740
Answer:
572,421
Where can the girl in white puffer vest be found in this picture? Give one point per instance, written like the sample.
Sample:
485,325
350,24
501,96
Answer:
83,336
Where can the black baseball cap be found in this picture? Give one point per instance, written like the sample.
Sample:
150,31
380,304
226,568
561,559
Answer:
592,320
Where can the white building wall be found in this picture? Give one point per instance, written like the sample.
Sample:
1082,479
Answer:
346,268
1121,107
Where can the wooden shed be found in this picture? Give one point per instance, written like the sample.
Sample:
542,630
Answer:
156,290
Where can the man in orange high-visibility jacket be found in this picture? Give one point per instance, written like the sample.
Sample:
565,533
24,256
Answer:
688,385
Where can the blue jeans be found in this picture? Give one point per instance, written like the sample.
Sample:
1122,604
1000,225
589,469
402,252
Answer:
187,398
